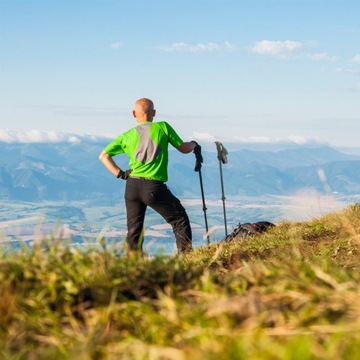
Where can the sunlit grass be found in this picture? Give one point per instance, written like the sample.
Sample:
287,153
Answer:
291,293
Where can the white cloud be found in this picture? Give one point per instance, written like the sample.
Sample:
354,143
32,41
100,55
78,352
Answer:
197,48
276,48
347,71
117,45
308,203
321,57
289,49
203,136
302,140
291,139
36,136
354,88
355,58
258,140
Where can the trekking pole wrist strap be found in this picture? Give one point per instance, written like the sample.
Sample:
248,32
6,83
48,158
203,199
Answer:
120,174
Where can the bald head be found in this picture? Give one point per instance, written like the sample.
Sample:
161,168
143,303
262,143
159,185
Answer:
144,110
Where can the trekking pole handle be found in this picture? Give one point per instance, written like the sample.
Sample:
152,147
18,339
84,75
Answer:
198,156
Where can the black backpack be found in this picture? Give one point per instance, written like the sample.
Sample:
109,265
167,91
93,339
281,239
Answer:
245,230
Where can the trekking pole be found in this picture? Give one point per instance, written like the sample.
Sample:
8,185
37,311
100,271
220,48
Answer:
204,208
199,161
222,157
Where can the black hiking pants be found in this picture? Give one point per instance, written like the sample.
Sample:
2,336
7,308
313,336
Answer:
141,193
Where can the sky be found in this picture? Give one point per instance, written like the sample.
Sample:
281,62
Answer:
244,70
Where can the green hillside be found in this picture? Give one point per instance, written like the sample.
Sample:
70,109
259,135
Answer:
290,293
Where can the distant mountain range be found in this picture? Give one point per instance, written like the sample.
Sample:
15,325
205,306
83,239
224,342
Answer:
72,171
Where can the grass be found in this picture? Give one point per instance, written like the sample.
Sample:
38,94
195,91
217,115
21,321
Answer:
290,293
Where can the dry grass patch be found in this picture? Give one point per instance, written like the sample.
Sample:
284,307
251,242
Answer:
290,293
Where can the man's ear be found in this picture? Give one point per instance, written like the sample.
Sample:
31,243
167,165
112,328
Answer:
154,113
134,114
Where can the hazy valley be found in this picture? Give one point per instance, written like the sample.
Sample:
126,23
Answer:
62,188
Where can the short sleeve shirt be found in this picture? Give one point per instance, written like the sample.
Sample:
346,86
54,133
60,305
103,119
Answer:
146,145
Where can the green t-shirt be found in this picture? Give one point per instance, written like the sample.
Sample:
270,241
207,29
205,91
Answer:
147,148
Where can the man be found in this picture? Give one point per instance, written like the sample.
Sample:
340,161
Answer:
146,145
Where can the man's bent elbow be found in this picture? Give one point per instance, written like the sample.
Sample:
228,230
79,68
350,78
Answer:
103,155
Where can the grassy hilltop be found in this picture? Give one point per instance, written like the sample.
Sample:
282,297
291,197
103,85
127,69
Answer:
291,293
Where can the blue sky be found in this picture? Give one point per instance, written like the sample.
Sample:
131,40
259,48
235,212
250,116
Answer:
216,69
